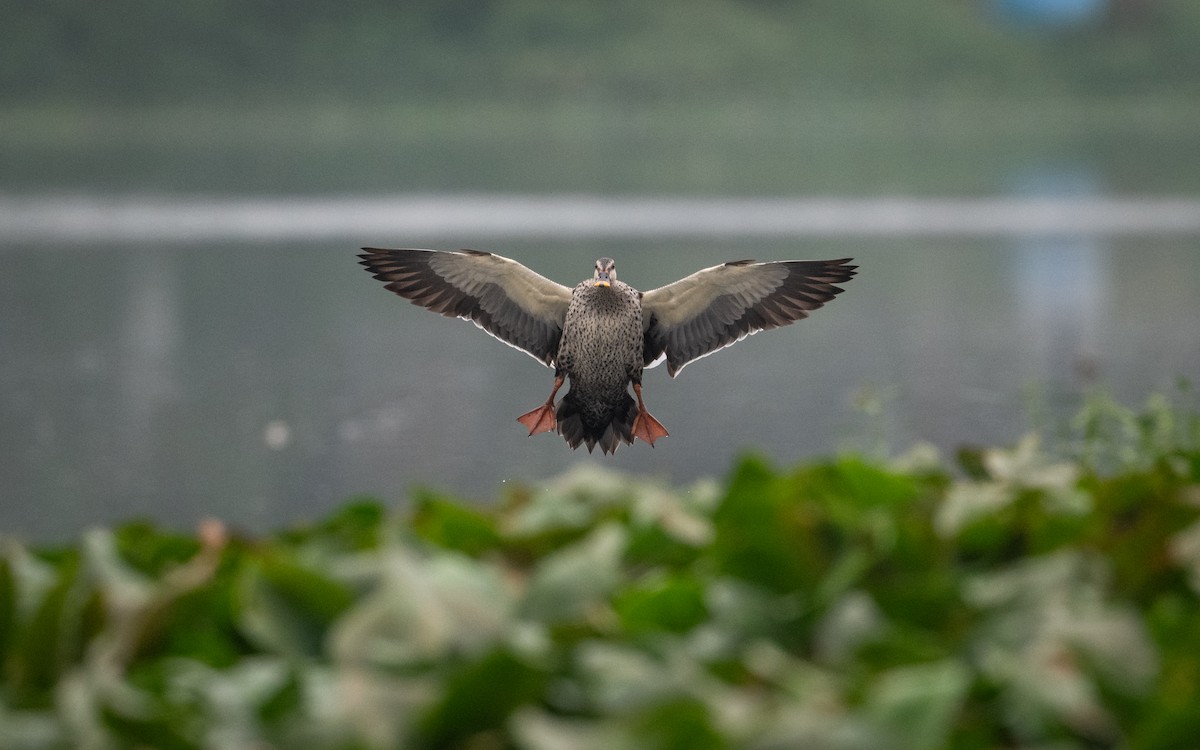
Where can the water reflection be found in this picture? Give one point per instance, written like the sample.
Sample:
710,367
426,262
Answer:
1061,283
263,382
1063,298
147,362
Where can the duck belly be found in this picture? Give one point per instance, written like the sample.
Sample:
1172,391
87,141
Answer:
600,351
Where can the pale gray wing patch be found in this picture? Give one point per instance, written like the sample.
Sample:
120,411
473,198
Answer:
502,297
717,307
534,294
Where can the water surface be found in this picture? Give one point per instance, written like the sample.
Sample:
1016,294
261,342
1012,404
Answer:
264,381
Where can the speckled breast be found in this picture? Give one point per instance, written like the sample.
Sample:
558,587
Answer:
601,345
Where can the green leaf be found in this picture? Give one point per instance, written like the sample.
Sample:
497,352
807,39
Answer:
679,725
573,579
755,526
917,705
287,608
454,526
356,526
652,546
479,699
673,604
32,730
424,609
152,551
44,643
9,620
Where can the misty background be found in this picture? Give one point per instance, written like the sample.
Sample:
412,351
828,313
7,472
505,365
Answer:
184,331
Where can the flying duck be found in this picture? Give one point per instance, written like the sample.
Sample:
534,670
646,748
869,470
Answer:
603,333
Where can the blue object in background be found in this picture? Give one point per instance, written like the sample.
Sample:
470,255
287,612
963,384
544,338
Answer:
1052,13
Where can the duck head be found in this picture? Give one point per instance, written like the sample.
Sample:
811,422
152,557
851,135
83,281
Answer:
605,273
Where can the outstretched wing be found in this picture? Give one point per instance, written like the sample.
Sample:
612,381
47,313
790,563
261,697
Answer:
501,296
719,306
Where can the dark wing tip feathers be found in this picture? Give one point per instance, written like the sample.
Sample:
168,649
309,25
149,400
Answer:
408,273
841,268
840,265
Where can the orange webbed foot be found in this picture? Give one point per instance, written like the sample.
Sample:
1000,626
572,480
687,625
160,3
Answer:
645,426
648,428
542,419
539,420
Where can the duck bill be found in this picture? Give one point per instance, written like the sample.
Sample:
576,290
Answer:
602,282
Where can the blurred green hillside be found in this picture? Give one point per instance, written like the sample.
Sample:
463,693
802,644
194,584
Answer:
139,50
743,97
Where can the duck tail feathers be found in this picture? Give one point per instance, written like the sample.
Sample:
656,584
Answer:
607,428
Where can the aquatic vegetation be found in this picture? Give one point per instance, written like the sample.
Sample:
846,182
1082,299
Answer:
1039,595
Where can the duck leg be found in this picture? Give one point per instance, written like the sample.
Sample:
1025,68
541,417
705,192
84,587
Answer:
645,426
542,418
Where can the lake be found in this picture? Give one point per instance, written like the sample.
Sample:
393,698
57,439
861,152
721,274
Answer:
177,359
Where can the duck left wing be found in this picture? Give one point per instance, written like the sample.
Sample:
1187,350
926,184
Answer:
521,308
719,306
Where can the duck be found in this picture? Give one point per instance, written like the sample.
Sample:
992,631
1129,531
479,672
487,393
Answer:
600,335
